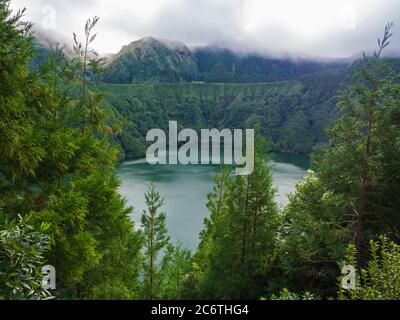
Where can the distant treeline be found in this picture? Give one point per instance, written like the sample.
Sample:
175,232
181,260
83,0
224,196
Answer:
292,115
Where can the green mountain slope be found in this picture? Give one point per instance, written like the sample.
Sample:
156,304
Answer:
150,60
293,114
223,65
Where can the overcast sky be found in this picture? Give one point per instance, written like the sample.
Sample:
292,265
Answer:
326,28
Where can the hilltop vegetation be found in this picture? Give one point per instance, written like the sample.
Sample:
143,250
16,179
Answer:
292,115
152,60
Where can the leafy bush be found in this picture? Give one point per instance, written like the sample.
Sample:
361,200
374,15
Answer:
22,251
380,280
285,294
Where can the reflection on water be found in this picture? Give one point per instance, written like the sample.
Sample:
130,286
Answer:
185,190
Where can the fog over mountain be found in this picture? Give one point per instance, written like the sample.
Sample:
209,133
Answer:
330,28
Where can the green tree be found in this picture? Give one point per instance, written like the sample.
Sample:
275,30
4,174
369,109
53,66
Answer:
361,146
86,65
91,228
176,268
353,195
312,240
20,142
155,240
55,173
238,243
198,278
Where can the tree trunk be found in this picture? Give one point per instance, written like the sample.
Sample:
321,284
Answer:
365,184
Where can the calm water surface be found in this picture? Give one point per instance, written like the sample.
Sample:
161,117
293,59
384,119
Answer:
185,190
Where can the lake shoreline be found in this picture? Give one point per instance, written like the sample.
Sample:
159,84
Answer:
185,189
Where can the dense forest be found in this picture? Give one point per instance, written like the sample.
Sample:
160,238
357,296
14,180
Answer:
292,115
60,205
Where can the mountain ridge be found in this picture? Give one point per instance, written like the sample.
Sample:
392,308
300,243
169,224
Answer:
155,60
152,59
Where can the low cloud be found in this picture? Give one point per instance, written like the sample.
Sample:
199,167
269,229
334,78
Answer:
330,28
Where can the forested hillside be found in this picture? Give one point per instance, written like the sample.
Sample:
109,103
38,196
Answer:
224,65
151,81
292,115
150,60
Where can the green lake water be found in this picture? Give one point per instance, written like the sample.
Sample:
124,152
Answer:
185,190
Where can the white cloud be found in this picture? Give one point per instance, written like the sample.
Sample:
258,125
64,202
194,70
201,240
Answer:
315,27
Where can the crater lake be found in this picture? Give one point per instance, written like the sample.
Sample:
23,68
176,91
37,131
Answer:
185,189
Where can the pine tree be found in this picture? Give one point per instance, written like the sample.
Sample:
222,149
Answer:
201,260
312,240
53,174
239,241
351,166
176,267
353,196
19,104
155,240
